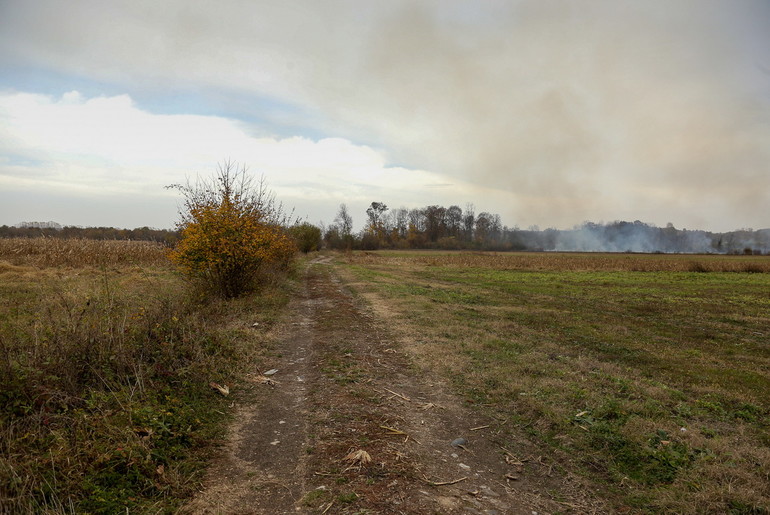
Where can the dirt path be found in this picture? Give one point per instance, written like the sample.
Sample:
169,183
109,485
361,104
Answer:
345,384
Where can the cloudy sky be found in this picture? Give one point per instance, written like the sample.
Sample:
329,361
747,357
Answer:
549,113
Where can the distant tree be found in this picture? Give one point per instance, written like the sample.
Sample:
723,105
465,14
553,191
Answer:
332,238
469,221
400,221
454,220
375,213
434,222
416,232
306,236
344,221
376,227
495,229
482,227
369,241
416,219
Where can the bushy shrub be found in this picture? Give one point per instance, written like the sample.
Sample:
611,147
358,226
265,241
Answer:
233,234
307,236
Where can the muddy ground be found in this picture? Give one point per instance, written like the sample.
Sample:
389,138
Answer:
351,424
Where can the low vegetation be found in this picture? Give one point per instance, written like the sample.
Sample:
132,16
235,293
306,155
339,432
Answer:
574,262
114,366
106,360
647,374
307,237
233,233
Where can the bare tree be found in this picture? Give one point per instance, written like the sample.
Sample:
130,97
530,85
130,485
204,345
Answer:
344,221
375,213
469,221
400,220
416,220
454,220
434,222
483,226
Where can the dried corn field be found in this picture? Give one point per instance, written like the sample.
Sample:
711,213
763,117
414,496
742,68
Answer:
53,252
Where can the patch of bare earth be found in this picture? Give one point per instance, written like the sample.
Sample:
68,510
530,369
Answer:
352,425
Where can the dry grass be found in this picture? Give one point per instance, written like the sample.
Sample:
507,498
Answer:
105,366
54,252
652,384
571,261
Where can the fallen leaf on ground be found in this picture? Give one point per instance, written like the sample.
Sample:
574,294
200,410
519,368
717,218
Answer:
224,390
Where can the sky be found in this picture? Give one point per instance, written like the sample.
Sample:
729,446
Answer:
547,112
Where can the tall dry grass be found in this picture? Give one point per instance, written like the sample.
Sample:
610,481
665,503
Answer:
106,356
562,261
54,252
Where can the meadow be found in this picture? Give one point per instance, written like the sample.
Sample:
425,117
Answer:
106,360
648,375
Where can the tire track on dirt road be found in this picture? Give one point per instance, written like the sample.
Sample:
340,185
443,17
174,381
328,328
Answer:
262,468
344,384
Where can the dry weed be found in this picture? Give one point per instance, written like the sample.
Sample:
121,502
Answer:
358,458
571,261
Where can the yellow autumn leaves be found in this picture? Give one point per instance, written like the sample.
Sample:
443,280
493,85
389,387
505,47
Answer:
232,234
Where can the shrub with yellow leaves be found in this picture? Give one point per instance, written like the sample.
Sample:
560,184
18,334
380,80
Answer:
233,232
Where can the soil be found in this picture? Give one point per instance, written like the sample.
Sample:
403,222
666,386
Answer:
347,382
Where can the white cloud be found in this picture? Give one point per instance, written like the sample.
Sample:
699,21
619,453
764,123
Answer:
107,147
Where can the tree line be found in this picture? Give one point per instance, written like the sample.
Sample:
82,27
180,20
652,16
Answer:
166,236
429,227
454,228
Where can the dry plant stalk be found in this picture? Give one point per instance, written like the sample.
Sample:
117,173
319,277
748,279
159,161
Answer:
443,483
402,396
223,389
357,458
396,432
263,380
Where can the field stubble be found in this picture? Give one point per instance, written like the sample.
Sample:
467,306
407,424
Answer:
647,373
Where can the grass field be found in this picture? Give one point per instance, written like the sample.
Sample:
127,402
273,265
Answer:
648,374
106,356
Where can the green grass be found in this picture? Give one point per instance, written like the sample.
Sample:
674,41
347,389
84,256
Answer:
654,382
